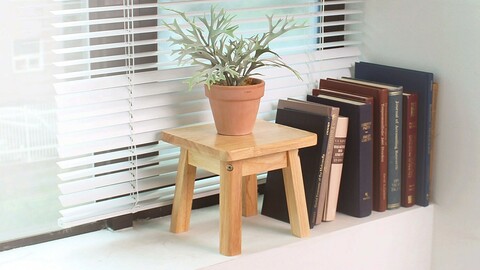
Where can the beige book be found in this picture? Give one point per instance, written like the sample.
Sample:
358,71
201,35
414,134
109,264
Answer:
336,169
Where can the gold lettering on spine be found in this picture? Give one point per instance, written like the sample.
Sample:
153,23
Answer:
366,132
396,146
338,150
395,185
383,135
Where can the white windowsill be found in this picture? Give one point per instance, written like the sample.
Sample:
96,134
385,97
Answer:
266,243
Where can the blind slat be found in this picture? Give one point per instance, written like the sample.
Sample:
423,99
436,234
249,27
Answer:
139,115
113,167
114,155
128,205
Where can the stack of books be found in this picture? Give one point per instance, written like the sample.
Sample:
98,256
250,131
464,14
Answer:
374,143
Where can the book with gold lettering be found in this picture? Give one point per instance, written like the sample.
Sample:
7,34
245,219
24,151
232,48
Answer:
355,194
421,83
380,128
338,155
394,138
409,154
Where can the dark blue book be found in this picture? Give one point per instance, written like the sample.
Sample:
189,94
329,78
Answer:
355,195
312,160
421,83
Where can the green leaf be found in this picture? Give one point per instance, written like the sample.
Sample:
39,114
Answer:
225,58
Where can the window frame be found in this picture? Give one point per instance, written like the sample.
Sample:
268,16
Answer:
127,220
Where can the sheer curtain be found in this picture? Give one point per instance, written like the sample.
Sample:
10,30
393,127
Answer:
117,88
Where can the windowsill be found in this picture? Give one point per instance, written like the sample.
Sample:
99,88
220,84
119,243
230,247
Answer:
150,245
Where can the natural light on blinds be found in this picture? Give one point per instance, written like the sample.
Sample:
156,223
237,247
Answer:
118,88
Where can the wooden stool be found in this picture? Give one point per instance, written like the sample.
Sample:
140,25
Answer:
269,147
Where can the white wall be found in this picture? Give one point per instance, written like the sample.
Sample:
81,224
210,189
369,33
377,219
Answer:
442,36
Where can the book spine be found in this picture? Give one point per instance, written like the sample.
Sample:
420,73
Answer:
381,163
433,133
321,193
409,154
423,180
364,196
322,200
394,173
336,169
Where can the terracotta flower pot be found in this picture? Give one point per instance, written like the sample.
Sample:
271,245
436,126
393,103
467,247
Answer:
235,108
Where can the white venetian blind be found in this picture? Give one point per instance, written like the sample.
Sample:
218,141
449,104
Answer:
118,87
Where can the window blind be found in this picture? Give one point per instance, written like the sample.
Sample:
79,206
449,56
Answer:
118,87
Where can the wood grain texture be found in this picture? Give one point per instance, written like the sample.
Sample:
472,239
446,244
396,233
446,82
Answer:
264,163
231,208
237,159
249,195
182,202
297,206
208,163
267,138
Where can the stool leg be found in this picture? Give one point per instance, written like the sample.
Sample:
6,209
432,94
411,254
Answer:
249,195
230,208
182,201
294,190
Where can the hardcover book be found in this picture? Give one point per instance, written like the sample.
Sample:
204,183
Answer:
380,118
331,200
355,195
394,139
332,112
433,133
421,83
409,154
349,96
312,160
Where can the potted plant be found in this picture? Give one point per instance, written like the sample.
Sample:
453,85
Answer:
227,63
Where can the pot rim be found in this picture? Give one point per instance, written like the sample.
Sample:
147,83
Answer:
244,92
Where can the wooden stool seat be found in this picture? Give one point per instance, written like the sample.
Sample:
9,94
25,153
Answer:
238,159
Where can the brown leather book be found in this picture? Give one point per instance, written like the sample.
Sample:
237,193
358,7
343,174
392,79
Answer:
333,93
380,131
409,155
349,96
